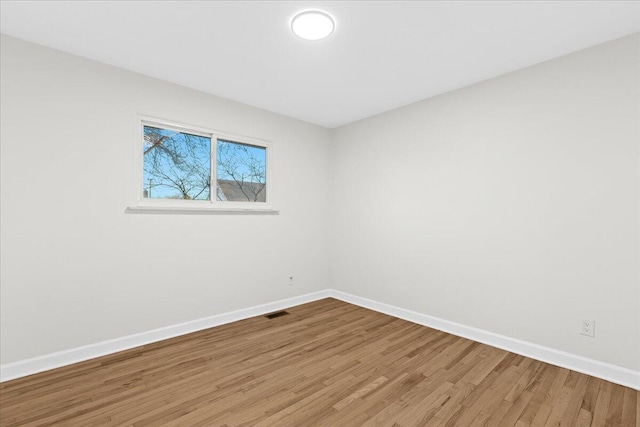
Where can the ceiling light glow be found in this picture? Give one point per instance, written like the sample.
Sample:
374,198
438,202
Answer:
313,25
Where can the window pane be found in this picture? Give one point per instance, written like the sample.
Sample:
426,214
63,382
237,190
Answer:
177,165
242,172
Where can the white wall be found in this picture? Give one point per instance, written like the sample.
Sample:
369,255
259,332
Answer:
75,268
511,205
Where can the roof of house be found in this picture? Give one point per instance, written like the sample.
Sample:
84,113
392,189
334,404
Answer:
241,192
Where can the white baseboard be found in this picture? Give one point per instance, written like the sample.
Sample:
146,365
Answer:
34,365
615,374
605,371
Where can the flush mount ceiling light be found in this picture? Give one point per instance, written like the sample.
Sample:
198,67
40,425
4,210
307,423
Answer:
313,25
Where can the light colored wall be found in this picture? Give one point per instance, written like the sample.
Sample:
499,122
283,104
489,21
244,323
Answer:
511,205
75,268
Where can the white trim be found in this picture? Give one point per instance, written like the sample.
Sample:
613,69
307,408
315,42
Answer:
595,368
605,371
59,359
196,210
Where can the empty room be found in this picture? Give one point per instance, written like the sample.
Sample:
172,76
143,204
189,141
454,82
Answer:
320,213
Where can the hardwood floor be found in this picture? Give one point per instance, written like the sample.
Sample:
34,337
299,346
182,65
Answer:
327,363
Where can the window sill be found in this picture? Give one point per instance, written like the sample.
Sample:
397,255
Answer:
198,211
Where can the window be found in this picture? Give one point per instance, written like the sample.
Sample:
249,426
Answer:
185,167
241,172
177,165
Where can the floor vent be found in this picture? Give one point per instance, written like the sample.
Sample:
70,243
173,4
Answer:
276,314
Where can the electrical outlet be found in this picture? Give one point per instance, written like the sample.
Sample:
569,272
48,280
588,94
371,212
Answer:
291,280
588,328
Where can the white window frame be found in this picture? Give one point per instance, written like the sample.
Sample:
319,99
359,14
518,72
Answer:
213,205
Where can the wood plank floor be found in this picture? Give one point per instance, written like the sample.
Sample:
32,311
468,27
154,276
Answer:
327,363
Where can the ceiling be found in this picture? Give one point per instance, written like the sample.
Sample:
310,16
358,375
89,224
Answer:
382,55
